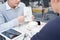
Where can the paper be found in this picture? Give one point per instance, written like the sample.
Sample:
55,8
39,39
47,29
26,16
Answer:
28,13
31,25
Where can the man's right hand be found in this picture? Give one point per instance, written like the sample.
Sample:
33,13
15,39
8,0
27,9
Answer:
21,19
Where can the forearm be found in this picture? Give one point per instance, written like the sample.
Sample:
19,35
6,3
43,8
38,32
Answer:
8,25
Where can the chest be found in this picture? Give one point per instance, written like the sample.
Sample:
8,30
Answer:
13,13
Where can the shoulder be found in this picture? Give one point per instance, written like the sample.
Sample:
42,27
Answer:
22,4
53,23
49,31
2,7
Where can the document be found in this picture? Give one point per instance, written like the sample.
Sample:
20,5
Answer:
28,13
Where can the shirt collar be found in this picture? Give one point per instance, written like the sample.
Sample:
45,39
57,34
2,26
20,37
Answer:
8,7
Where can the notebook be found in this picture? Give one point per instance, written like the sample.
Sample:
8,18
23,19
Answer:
28,13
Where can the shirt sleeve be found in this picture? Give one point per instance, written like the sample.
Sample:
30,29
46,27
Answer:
7,25
1,19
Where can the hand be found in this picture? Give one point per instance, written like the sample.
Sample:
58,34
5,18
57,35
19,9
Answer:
21,19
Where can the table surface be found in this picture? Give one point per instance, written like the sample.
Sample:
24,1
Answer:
27,32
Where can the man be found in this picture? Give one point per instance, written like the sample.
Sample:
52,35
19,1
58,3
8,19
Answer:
51,31
11,14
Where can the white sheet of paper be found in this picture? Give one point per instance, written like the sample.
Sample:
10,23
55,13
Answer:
28,13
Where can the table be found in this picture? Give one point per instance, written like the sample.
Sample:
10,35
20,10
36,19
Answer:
27,32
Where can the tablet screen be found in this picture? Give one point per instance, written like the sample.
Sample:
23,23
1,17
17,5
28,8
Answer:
11,33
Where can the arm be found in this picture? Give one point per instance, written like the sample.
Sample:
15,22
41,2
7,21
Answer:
6,25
